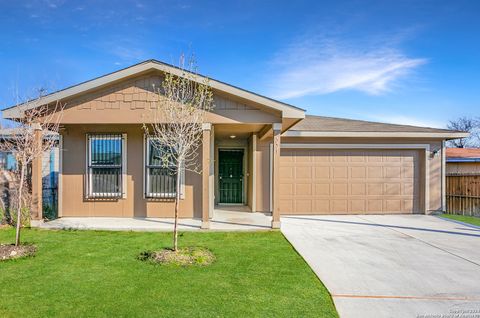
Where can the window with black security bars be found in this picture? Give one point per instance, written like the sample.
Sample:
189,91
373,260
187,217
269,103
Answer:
161,177
105,165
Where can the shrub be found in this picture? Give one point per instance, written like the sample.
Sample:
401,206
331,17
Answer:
25,217
49,212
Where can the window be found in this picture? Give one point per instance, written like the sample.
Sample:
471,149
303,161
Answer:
106,165
160,178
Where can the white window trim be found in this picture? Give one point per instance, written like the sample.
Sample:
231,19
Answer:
89,186
146,155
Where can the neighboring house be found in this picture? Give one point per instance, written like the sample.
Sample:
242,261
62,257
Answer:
50,166
258,152
463,161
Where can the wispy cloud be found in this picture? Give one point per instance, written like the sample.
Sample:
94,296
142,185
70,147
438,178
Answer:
322,65
127,53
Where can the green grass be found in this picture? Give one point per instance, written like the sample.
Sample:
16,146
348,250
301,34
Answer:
96,274
467,219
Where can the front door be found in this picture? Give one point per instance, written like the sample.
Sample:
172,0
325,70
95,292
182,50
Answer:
230,174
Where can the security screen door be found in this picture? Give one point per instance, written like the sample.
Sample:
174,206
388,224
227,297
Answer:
230,174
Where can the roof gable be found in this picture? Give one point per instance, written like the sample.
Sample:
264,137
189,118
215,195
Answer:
286,110
131,99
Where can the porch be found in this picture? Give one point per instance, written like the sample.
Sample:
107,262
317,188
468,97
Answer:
230,218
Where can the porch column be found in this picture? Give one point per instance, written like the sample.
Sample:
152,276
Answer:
207,127
277,130
37,210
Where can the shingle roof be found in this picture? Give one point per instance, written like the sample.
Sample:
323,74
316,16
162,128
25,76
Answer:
462,153
332,124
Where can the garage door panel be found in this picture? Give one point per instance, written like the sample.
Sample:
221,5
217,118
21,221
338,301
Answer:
340,189
286,206
286,172
392,172
322,206
408,172
303,189
303,205
320,181
358,172
393,206
374,172
322,189
408,206
374,206
392,189
375,189
340,172
322,172
303,172
358,189
357,206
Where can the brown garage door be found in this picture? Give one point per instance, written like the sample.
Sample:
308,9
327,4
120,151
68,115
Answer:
327,181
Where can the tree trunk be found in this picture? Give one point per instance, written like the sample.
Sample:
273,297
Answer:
19,205
177,203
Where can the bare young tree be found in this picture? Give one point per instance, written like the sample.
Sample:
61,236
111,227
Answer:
175,126
470,125
36,121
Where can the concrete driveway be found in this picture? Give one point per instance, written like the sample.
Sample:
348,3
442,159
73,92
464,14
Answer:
392,265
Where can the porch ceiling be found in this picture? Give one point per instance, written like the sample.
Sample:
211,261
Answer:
239,130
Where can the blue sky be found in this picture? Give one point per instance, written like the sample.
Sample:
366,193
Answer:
409,62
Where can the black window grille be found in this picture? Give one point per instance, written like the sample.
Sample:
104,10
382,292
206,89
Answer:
105,165
161,177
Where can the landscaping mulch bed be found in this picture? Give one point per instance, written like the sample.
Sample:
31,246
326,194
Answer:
10,251
187,256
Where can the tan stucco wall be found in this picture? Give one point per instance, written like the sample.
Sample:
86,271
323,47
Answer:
134,205
263,176
463,167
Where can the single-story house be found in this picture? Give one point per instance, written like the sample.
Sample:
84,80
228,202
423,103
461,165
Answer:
462,161
258,152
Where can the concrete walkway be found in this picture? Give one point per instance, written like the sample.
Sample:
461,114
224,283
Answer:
392,266
223,220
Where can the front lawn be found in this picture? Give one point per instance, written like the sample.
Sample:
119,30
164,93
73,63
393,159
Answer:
467,219
96,274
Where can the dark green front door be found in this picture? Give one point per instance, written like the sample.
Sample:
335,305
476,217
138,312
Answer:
230,174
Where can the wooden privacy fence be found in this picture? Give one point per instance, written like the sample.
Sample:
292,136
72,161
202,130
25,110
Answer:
463,194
